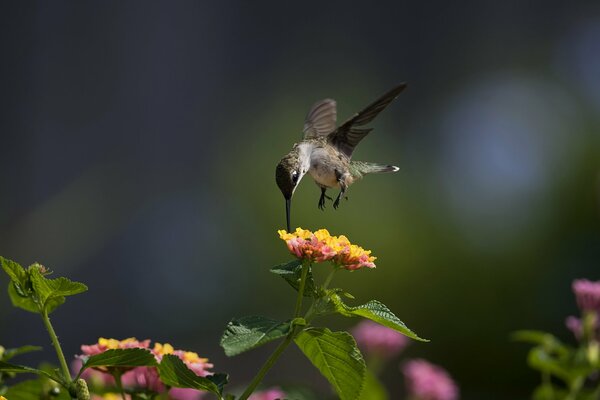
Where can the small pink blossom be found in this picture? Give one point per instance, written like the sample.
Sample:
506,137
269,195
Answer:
575,326
426,381
378,340
587,294
268,394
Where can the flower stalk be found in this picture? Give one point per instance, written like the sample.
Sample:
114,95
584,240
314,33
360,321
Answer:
59,353
286,342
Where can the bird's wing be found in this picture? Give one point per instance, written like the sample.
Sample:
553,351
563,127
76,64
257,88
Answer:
348,135
320,120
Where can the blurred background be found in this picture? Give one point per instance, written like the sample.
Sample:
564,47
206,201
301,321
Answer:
138,149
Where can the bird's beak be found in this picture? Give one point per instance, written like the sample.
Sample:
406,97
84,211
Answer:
288,206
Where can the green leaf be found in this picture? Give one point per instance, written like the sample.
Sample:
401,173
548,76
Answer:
375,311
22,369
292,273
337,358
134,357
10,353
547,340
36,389
14,270
17,300
173,372
373,389
246,333
540,360
52,292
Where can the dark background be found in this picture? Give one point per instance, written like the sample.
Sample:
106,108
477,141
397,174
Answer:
139,139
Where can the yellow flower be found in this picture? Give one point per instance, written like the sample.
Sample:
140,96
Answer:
162,349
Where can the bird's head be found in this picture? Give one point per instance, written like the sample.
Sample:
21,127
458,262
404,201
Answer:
288,174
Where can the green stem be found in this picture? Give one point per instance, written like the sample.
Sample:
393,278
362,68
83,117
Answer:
61,357
330,277
596,393
283,345
267,365
574,389
117,376
298,308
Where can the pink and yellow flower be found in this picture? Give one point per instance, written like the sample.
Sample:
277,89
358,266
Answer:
110,344
322,246
147,378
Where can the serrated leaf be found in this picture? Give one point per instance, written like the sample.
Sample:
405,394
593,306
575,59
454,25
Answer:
375,311
292,273
134,357
246,333
14,270
10,353
52,292
173,372
373,389
337,358
17,300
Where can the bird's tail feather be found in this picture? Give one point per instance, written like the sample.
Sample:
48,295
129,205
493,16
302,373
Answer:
372,168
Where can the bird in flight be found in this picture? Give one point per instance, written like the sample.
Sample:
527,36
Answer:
325,151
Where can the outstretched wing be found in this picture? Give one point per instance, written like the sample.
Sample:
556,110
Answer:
348,135
320,120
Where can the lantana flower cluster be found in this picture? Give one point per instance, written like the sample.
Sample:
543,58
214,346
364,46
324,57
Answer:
587,295
322,246
147,378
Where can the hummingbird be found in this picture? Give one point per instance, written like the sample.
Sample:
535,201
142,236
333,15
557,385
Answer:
325,151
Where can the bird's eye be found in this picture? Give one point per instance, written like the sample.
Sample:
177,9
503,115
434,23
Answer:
295,177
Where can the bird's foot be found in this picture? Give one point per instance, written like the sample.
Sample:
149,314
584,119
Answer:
336,203
322,200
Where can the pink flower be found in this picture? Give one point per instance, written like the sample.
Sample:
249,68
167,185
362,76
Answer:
379,340
587,294
268,394
426,381
575,326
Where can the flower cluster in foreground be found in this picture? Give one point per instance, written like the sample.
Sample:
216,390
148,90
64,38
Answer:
147,378
321,246
426,381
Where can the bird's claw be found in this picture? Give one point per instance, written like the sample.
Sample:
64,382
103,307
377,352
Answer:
336,203
322,200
